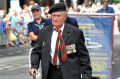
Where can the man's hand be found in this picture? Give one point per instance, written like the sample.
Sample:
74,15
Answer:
33,72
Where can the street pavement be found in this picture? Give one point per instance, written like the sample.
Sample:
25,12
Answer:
116,57
14,63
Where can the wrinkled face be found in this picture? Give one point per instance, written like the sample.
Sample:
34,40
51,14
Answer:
36,14
58,18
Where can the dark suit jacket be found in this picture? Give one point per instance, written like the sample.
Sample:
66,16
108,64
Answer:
75,62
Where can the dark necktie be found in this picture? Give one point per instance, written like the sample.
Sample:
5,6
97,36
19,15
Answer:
60,46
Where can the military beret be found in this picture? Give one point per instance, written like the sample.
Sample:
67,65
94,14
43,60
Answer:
57,7
36,7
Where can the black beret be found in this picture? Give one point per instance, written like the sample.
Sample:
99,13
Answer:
36,7
57,7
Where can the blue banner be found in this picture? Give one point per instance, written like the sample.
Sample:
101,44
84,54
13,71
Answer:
98,32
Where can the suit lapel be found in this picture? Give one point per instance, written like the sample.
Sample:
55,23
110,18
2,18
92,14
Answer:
66,33
50,31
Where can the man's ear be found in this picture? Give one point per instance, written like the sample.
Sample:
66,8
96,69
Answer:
66,15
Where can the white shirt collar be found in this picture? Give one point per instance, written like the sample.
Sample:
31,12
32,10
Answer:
62,27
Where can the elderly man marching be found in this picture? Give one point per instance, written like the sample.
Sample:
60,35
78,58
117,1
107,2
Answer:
61,49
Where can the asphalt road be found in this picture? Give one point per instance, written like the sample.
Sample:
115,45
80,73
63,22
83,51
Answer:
14,63
116,58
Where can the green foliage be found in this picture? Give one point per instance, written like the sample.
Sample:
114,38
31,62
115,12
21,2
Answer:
117,0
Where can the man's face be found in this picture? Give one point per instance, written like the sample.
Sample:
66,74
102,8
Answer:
58,18
36,14
105,2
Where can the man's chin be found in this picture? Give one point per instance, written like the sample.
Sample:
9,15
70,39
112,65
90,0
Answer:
37,18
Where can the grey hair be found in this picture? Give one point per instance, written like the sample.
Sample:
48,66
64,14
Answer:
64,12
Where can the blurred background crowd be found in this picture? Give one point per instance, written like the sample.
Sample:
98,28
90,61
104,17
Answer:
13,24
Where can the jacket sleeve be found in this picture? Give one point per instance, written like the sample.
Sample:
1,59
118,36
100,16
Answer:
36,53
35,58
83,57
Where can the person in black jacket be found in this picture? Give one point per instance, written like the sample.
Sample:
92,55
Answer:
61,49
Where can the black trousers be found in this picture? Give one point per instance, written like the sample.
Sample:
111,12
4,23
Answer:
54,72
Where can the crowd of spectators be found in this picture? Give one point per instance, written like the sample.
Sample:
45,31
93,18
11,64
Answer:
13,26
